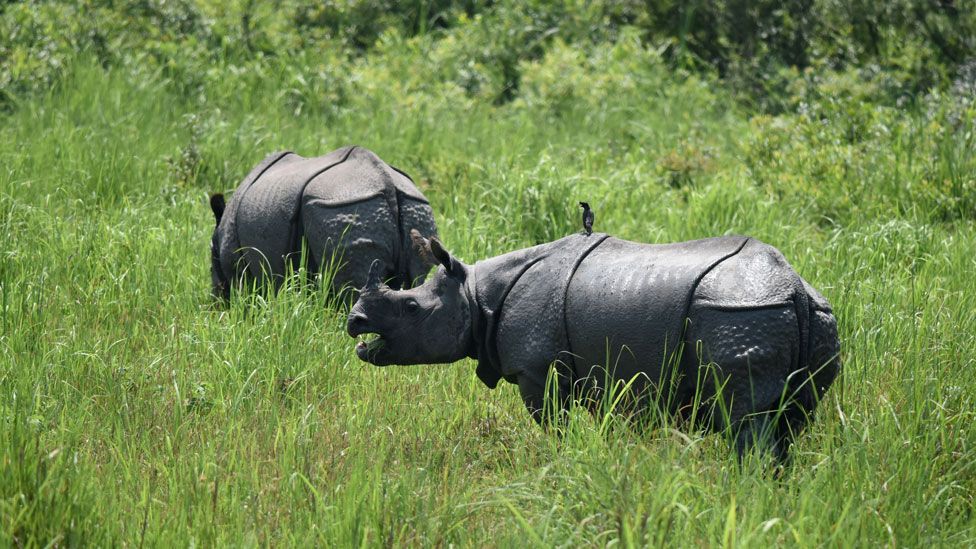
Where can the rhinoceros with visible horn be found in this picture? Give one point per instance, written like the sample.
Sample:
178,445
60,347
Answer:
349,208
719,322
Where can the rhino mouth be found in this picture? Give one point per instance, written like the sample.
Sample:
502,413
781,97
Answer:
369,345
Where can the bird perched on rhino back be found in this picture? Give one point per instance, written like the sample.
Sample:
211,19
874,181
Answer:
336,213
587,218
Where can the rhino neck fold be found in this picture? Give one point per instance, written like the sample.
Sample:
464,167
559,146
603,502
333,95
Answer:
475,347
481,343
490,282
487,300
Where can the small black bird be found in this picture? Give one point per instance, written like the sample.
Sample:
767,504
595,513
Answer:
587,218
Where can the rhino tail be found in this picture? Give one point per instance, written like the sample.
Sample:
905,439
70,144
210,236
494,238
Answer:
221,287
217,204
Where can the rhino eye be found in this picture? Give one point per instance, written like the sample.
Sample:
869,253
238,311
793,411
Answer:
411,306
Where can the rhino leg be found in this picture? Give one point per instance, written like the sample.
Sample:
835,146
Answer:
806,386
534,397
761,430
547,404
747,357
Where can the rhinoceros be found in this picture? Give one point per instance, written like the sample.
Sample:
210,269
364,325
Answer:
348,207
721,322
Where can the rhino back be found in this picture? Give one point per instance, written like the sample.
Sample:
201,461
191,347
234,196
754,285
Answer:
406,187
759,275
267,213
360,176
627,303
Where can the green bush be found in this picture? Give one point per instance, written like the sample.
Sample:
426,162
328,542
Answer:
848,156
909,46
359,23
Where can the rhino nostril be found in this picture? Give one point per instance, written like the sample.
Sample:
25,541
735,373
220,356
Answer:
357,318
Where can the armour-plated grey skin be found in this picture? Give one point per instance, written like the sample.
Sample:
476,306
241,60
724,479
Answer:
349,208
721,317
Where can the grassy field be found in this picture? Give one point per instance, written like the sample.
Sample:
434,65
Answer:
133,412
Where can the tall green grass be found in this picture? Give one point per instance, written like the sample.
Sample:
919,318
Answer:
133,412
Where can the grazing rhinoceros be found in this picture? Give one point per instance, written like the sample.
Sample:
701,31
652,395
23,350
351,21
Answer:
349,207
604,311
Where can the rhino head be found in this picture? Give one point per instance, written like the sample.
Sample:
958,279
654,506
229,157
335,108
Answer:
429,324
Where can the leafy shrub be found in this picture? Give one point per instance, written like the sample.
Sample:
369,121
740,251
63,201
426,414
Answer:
359,23
37,40
847,156
608,72
921,42
487,53
484,46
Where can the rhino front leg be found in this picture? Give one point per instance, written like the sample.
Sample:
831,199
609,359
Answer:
548,404
762,430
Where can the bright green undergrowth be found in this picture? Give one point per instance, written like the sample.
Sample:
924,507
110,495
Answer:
132,411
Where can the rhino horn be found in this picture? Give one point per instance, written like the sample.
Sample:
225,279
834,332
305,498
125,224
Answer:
373,279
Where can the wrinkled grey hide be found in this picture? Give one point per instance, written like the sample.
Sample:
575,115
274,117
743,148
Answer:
348,206
678,320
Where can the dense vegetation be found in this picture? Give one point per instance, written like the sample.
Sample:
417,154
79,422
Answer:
132,411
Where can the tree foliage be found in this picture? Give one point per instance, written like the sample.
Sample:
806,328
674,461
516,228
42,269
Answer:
917,45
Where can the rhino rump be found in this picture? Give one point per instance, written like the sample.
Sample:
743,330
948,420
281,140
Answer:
769,333
361,210
344,204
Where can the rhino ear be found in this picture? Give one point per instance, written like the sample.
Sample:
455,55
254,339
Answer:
422,246
453,266
373,278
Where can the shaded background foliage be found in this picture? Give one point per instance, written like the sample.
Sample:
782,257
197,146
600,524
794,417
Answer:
916,44
842,68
